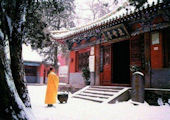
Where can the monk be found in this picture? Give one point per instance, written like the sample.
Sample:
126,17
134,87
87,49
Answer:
52,88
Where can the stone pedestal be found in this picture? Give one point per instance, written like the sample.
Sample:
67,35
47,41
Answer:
137,93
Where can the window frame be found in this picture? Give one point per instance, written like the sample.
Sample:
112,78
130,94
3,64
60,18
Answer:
87,50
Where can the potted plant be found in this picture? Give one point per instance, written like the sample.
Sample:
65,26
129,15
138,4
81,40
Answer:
86,75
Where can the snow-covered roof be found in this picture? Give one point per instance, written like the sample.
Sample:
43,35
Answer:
30,55
126,10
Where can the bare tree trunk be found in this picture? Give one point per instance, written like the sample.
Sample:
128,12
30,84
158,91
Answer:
17,67
11,106
56,58
15,42
56,49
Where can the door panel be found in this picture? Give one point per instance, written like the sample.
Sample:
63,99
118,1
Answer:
107,65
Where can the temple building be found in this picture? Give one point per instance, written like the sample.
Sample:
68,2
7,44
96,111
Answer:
35,68
118,40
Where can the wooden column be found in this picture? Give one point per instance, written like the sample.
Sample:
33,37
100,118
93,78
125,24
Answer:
147,59
72,62
40,76
97,65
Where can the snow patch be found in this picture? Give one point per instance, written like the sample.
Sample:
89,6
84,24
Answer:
163,103
22,20
9,24
160,101
30,55
1,35
138,103
77,109
140,73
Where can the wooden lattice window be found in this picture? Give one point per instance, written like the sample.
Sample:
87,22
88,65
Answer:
83,60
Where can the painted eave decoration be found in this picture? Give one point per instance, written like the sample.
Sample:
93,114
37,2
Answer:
112,26
116,32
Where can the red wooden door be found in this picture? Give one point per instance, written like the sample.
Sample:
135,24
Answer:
157,53
107,65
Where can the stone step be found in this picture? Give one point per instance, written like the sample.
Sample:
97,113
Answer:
100,92
101,89
116,96
100,100
108,87
94,95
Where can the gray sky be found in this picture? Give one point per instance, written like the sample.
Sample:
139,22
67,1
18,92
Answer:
83,12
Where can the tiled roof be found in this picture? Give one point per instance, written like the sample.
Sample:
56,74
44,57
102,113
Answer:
113,16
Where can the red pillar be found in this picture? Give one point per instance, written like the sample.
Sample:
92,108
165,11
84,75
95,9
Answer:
72,61
41,75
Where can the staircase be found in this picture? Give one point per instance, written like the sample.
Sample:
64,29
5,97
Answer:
103,94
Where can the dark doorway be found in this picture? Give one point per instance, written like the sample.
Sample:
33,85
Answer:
121,61
166,46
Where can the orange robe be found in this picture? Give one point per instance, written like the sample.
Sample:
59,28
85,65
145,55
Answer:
52,88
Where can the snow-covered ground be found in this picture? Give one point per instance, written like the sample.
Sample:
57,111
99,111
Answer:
77,109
